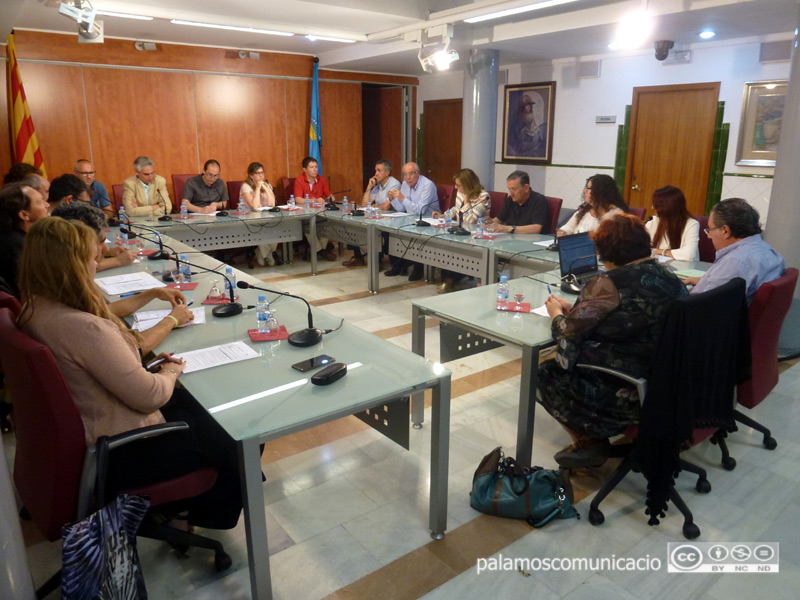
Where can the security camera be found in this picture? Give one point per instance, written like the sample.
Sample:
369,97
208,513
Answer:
662,48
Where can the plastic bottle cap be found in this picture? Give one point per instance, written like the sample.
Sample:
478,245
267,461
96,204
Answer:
229,269
503,278
183,256
262,297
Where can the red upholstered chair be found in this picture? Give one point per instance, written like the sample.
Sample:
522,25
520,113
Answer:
638,211
553,210
447,196
54,467
704,245
498,199
288,188
178,183
767,312
116,195
233,194
10,302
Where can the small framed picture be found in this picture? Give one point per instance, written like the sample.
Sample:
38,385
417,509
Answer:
760,127
528,110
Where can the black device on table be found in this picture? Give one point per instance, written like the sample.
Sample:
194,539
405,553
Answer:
313,363
578,261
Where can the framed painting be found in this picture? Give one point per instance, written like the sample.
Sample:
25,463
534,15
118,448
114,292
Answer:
528,110
760,127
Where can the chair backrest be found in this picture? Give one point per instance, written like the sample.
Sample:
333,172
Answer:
10,302
178,183
288,188
498,199
447,196
705,246
233,194
702,353
767,312
116,195
553,211
638,211
51,440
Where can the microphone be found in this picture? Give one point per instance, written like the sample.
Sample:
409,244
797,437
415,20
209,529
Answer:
161,254
221,310
459,229
421,222
305,337
570,283
165,217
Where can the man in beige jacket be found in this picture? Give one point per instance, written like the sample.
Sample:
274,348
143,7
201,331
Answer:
145,193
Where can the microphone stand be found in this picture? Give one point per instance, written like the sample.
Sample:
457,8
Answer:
160,255
332,205
421,222
165,217
570,280
309,336
222,310
459,229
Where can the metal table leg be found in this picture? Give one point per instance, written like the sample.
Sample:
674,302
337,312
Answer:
255,520
440,448
418,347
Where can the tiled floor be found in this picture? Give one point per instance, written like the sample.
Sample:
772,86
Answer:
347,508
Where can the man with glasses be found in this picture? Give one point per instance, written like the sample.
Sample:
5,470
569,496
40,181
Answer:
145,193
734,229
98,195
416,196
206,193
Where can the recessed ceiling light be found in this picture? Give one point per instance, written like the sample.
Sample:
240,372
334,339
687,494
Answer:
707,34
231,27
106,13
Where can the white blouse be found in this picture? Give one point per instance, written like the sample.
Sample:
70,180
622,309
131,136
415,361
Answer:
588,222
689,239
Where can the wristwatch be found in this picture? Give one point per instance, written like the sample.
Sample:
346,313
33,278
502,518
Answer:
513,228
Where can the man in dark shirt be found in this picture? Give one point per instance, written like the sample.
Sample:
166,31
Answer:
20,207
206,193
524,211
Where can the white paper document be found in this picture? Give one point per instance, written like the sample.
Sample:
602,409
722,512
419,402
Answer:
130,282
542,310
142,321
393,215
205,358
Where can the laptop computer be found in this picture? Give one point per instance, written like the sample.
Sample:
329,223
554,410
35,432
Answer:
577,257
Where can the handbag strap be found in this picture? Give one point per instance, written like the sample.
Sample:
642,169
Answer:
560,493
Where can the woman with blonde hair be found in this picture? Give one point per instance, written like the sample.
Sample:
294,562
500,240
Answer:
101,361
257,192
472,203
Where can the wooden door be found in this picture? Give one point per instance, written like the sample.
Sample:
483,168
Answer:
670,143
382,127
441,143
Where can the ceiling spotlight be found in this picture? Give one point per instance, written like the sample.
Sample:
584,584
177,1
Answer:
707,34
437,58
633,31
82,12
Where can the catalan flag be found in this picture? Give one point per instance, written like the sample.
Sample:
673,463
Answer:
315,129
26,146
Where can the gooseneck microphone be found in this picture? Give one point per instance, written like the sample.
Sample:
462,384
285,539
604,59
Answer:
570,283
221,310
459,229
165,217
161,254
422,222
309,336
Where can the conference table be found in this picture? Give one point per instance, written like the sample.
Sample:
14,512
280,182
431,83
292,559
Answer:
474,311
263,398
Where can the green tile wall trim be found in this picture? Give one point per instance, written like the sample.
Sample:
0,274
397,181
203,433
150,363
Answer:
718,153
753,175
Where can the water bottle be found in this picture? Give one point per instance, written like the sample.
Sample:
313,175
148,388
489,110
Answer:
186,270
184,210
479,230
502,293
230,282
370,212
124,226
291,202
263,313
345,206
241,207
307,204
448,220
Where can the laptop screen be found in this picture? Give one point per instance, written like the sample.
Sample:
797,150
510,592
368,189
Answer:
571,249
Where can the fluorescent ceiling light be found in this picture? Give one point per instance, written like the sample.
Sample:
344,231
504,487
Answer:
231,27
707,34
633,31
106,13
515,11
314,38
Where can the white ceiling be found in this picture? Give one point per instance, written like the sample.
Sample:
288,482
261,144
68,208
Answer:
581,28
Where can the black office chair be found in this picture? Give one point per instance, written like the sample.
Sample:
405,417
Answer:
703,352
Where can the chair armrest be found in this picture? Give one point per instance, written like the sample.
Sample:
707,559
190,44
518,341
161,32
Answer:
639,383
93,478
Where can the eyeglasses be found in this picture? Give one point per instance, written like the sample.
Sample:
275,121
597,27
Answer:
261,172
212,175
85,172
708,230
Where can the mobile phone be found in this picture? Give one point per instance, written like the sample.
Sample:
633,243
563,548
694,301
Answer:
313,363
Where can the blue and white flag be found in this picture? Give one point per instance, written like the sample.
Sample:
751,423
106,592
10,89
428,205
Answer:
315,130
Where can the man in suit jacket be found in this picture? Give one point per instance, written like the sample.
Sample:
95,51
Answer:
145,193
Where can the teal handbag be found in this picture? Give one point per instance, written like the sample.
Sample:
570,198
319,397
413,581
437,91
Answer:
502,488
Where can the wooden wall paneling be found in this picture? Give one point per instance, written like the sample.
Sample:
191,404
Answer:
135,113
368,77
340,112
5,125
55,97
241,120
298,115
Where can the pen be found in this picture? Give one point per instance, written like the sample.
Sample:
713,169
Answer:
549,291
128,295
190,303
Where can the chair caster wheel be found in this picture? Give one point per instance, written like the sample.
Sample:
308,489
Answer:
770,443
181,549
729,463
691,531
222,561
703,486
596,517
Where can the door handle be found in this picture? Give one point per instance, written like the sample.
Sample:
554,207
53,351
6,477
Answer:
635,187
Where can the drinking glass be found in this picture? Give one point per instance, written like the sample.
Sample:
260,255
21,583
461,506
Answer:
214,292
519,296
